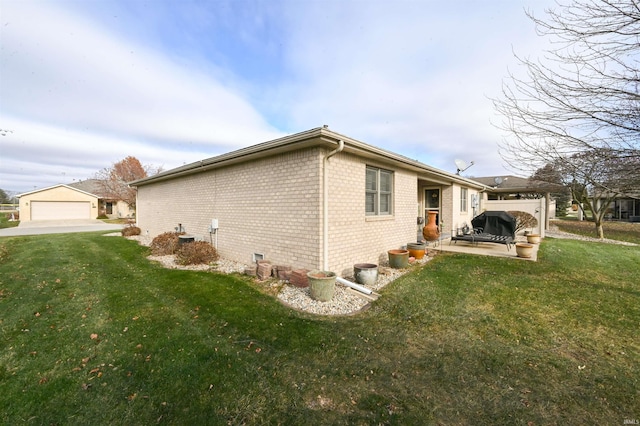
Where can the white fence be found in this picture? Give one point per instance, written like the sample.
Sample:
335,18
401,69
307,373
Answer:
536,207
8,207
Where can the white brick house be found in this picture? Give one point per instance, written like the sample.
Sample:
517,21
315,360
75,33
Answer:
315,200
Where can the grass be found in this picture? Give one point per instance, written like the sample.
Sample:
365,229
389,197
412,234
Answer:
91,332
6,223
621,231
119,221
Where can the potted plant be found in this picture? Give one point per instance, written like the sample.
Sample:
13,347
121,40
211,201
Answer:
365,273
524,250
416,250
321,285
398,259
533,238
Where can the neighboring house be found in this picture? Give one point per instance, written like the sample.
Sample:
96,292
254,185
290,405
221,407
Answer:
626,209
113,209
57,203
623,208
315,200
516,188
79,200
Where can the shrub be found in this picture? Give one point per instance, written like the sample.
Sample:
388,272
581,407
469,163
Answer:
165,244
523,220
197,252
128,231
12,215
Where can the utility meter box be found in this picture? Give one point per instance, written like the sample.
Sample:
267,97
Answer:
214,223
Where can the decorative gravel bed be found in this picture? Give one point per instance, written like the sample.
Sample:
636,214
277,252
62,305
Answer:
344,301
224,266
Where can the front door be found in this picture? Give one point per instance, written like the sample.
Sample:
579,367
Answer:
432,203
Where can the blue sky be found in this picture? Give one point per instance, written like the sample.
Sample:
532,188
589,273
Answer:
84,84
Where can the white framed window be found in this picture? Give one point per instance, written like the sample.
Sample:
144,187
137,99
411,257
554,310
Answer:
379,192
464,197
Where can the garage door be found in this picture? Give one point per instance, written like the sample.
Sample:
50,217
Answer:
56,210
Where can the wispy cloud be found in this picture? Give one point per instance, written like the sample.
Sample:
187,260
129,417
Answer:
72,77
415,76
85,84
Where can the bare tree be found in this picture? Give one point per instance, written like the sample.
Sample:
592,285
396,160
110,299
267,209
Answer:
558,188
595,178
114,180
578,108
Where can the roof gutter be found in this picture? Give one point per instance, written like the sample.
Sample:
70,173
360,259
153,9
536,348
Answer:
325,204
299,141
313,137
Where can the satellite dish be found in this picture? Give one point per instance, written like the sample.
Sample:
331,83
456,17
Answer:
461,165
498,180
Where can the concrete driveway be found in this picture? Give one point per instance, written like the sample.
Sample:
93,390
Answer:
39,227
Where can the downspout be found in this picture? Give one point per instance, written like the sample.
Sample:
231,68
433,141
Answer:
325,205
547,204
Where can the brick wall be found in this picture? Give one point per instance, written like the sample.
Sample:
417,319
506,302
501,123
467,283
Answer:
273,206
450,214
459,219
270,206
355,237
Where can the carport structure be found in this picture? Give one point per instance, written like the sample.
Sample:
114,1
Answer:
502,189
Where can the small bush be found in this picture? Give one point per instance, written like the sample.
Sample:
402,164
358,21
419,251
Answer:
12,215
165,244
524,220
128,231
195,253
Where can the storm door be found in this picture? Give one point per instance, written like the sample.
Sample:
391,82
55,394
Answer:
432,203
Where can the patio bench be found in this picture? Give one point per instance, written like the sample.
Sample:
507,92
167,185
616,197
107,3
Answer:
489,227
477,236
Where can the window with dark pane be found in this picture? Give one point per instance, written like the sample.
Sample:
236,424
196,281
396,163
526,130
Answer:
379,192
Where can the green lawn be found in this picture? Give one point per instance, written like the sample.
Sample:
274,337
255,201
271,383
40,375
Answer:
615,230
93,333
6,223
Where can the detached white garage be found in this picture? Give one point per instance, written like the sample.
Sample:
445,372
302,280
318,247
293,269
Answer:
56,210
60,202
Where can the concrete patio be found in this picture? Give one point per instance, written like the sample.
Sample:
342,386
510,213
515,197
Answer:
482,249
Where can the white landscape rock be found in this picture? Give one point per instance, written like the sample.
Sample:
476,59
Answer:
344,301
